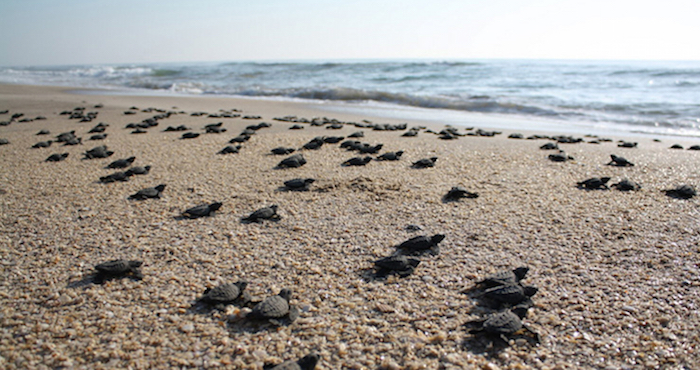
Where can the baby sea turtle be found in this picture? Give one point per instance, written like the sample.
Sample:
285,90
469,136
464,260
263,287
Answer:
98,152
74,141
425,163
114,177
315,143
515,135
299,184
202,210
694,147
122,163
294,161
560,157
225,294
619,161
282,150
189,135
117,269
681,192
148,193
369,149
57,157
457,193
333,139
508,295
276,309
503,324
550,146
43,132
267,213
396,264
307,362
390,156
627,144
42,144
594,183
229,149
420,244
357,161
357,134
98,137
138,170
506,277
65,136
676,146
627,185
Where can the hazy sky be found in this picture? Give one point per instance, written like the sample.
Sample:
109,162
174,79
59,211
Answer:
55,32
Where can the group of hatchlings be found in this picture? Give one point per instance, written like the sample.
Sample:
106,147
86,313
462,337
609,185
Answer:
502,291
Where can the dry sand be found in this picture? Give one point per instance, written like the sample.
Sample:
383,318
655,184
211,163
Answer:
618,272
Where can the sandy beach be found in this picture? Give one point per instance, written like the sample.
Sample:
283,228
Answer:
617,272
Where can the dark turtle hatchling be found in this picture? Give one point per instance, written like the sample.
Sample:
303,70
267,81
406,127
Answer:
189,135
98,137
44,132
333,139
65,136
202,210
619,161
276,309
294,161
681,192
357,161
148,193
694,147
299,184
425,163
307,362
117,269
57,157
229,149
627,144
98,152
550,146
42,144
114,177
503,324
508,295
396,264
676,146
122,163
267,213
282,151
225,294
457,193
73,141
506,277
421,244
560,157
594,183
138,170
627,185
390,156
357,134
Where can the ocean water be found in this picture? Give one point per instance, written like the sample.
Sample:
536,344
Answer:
652,97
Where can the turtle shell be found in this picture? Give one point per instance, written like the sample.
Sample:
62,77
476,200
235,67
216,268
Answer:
224,293
201,210
506,277
511,294
273,307
397,263
421,243
505,323
117,267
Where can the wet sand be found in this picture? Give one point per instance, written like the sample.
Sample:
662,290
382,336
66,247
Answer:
618,274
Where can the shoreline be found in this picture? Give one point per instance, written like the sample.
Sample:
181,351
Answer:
430,116
617,271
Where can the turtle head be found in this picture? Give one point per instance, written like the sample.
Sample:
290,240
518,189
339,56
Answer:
399,153
309,181
520,310
160,187
437,238
286,294
529,291
613,157
520,272
308,362
413,262
605,180
131,159
134,264
241,285
433,159
274,207
215,206
367,159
